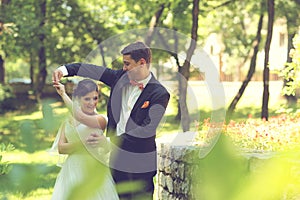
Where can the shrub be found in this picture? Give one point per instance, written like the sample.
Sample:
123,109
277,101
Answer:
291,72
4,166
6,97
5,92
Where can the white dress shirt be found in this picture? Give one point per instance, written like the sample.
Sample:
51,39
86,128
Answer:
64,70
130,94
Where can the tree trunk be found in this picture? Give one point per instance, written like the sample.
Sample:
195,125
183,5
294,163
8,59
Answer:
41,53
2,71
252,67
31,70
175,56
149,37
266,72
153,23
185,70
3,3
102,54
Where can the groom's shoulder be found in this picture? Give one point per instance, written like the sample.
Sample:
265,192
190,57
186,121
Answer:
159,87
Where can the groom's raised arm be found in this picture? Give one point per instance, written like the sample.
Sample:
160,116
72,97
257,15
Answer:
95,72
78,69
85,70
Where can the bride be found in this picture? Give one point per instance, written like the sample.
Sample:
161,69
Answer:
84,173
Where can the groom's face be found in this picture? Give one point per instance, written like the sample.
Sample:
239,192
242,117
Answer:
132,67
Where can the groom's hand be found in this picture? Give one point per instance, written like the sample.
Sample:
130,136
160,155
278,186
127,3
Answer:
57,76
96,140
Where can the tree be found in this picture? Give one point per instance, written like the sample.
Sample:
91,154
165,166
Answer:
252,67
2,70
289,10
3,28
153,23
47,34
266,73
236,21
185,69
292,69
42,74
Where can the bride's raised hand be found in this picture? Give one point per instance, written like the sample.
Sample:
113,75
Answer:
60,88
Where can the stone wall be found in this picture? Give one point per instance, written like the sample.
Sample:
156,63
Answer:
176,165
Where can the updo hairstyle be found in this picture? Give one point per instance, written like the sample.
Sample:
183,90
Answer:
84,87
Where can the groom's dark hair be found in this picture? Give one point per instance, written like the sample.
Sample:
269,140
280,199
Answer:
137,51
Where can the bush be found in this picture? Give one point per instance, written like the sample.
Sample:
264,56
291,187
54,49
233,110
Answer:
291,72
6,98
4,166
5,92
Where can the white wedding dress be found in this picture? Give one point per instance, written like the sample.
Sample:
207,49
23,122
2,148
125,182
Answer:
83,175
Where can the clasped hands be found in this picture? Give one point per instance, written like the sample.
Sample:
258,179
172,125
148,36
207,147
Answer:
95,140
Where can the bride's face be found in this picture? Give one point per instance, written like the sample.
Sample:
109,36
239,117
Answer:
89,102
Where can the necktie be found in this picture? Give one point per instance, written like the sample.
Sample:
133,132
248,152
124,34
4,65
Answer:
135,83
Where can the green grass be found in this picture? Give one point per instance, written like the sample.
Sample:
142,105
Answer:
33,171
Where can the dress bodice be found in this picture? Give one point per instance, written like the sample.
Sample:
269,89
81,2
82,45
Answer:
74,133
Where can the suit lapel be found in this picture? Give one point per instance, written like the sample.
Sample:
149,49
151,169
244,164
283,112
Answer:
145,94
116,97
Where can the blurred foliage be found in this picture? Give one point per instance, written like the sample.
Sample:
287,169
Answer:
221,173
28,181
292,70
4,166
6,99
5,92
229,173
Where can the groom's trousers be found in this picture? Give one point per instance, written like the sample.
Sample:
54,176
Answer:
133,186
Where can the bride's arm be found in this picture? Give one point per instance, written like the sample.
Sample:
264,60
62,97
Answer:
65,147
93,121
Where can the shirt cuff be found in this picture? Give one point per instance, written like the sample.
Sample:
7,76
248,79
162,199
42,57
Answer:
64,70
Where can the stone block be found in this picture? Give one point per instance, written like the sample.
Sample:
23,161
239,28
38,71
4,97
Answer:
169,183
167,166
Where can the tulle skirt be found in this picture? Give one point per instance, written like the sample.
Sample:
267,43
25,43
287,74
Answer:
85,178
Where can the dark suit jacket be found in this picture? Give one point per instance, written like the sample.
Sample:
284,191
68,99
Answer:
135,150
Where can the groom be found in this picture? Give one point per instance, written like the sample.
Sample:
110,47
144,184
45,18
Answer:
136,105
